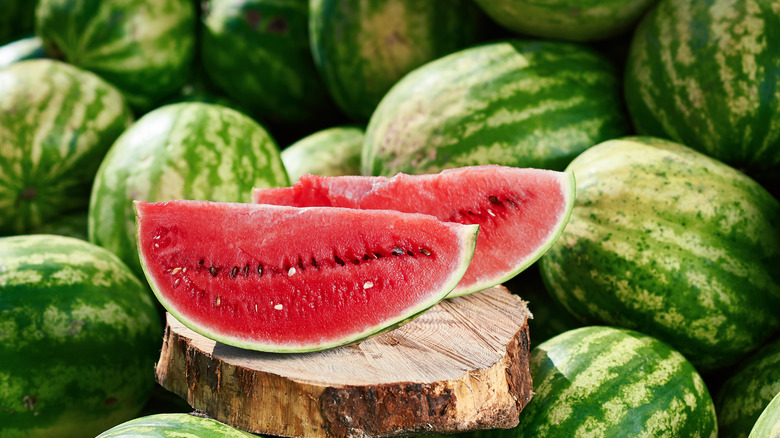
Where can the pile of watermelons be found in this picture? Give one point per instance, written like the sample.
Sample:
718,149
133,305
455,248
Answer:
656,311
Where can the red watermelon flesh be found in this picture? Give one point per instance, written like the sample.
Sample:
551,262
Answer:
520,211
289,279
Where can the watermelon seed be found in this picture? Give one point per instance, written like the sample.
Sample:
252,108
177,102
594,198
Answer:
233,272
217,302
494,200
246,270
409,251
398,251
300,264
260,270
366,257
510,202
338,260
278,307
291,272
314,263
255,307
425,251
201,262
213,271
356,261
175,271
368,285
490,212
377,255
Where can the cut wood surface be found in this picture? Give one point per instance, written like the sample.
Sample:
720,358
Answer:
462,365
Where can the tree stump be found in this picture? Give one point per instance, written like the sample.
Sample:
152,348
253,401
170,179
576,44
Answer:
462,365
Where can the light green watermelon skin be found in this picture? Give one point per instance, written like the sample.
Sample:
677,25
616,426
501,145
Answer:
520,103
143,47
57,123
667,241
181,151
332,151
79,336
705,74
573,20
174,426
257,51
742,398
768,424
611,382
19,50
363,47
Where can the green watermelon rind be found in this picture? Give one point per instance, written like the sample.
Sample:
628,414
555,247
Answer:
569,190
174,425
768,423
468,236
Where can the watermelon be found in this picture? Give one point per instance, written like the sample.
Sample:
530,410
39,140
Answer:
58,121
520,103
187,150
17,19
178,425
19,50
606,381
257,51
334,151
768,424
289,279
520,211
363,47
143,47
573,20
667,241
744,395
705,74
79,335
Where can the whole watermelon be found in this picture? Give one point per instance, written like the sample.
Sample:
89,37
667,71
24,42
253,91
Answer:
573,20
334,151
143,47
57,123
188,150
177,425
363,47
257,51
79,339
523,103
612,382
744,395
667,241
705,74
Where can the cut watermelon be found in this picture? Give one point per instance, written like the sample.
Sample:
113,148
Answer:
520,211
289,279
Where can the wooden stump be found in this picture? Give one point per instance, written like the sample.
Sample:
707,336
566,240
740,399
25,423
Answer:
462,365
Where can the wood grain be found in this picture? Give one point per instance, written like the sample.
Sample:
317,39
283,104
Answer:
462,365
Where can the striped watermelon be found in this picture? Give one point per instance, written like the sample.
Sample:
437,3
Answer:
573,20
745,394
17,19
19,50
768,424
174,426
333,151
257,51
180,151
520,103
605,381
79,335
143,47
670,242
57,123
705,74
363,47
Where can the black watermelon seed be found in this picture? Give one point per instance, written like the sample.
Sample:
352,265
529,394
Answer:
260,270
425,251
234,272
213,271
494,200
338,260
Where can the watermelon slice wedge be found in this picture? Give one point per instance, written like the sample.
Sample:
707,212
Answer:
520,211
289,279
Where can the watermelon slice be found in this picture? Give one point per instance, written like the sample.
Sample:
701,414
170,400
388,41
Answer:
289,279
520,211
